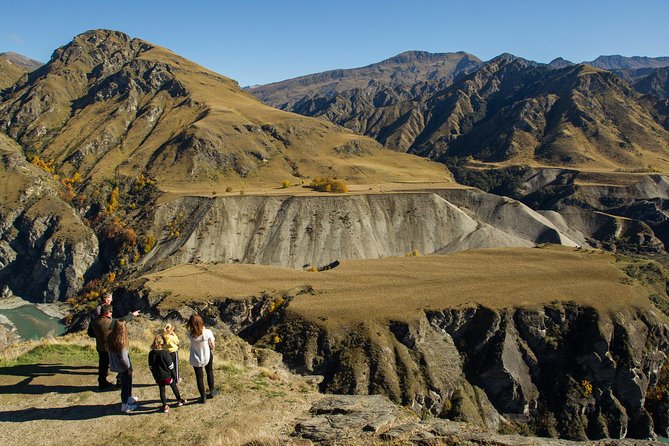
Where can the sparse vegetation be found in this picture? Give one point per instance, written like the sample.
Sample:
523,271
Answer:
647,169
286,184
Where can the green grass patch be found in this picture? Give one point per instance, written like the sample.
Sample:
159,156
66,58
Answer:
56,353
259,382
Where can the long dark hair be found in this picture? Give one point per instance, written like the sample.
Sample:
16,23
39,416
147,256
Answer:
117,340
195,325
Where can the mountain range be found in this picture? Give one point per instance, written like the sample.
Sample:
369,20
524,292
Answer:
507,110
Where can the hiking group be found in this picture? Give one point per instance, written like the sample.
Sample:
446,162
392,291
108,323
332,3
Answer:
112,345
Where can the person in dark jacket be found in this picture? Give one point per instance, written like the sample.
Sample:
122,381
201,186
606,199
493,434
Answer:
102,326
162,369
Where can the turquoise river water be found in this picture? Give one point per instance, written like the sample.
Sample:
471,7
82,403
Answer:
32,323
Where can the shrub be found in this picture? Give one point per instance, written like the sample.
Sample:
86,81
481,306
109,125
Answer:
327,184
286,184
47,166
228,189
149,243
112,204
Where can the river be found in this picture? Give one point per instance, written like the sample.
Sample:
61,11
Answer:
31,321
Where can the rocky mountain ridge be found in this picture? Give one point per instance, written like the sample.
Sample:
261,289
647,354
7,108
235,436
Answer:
512,110
403,70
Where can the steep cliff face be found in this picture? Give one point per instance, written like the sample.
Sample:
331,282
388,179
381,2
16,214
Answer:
45,249
563,369
303,231
577,372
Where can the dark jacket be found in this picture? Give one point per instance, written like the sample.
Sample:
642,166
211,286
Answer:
160,363
102,326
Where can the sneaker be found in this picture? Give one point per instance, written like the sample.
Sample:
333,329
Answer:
181,402
125,408
201,400
166,409
213,393
132,400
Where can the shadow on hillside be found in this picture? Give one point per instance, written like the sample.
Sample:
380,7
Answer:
33,371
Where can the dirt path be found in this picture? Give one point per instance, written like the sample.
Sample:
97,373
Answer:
56,402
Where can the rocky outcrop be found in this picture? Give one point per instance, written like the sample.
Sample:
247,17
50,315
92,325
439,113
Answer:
561,370
577,372
303,231
344,419
45,249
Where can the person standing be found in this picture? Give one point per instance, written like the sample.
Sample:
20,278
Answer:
105,300
118,346
102,326
161,366
202,344
172,346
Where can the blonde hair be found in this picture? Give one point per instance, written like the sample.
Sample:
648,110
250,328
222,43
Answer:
168,329
158,342
118,338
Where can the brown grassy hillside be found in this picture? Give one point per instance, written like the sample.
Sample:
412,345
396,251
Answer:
107,105
399,288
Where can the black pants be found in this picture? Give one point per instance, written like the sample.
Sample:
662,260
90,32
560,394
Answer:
175,390
126,386
209,368
175,361
103,368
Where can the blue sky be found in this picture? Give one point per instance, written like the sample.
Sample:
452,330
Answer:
259,41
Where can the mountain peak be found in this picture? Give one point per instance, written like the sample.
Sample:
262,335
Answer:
508,58
98,46
559,62
417,55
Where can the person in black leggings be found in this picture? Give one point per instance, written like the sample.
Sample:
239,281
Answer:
161,365
202,344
